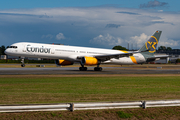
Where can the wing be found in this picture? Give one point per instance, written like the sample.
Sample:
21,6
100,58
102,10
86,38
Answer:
117,56
106,57
109,56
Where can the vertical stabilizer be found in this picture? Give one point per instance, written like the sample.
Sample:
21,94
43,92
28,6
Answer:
151,44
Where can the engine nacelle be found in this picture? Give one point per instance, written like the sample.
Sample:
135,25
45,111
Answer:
89,61
63,62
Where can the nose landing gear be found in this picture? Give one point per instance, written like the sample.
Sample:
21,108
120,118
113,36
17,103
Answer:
22,62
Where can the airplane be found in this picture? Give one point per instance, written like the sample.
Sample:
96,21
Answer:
86,56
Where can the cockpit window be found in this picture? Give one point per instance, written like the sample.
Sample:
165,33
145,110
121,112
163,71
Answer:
13,47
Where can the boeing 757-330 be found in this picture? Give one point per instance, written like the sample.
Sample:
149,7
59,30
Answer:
86,56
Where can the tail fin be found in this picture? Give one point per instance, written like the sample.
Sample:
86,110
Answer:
152,43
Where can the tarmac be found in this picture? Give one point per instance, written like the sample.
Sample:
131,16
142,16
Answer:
75,70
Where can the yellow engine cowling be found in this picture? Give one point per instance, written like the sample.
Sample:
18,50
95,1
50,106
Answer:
89,61
63,62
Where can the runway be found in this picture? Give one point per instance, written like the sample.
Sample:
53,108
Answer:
75,70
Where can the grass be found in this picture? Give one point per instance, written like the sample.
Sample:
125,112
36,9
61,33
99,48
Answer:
25,90
164,113
121,114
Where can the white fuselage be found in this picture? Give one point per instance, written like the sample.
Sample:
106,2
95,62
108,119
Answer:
70,53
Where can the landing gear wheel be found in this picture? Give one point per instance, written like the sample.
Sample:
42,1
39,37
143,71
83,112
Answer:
22,62
98,69
22,65
83,68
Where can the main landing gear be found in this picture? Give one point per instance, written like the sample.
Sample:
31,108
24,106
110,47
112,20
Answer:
22,62
98,68
85,68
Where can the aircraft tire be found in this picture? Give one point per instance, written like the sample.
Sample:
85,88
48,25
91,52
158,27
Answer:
23,65
98,69
83,68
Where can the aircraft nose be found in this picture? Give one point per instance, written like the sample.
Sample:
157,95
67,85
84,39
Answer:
6,51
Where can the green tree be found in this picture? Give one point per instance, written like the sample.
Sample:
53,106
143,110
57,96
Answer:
118,47
164,48
2,49
161,48
169,48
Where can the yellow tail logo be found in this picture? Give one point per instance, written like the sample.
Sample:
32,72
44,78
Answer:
152,44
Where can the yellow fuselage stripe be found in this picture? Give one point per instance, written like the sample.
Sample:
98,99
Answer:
133,59
124,51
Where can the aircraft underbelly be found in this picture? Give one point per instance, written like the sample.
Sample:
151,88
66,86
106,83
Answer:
122,61
128,60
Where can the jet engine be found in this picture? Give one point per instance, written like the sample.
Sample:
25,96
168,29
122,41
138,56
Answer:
63,62
89,61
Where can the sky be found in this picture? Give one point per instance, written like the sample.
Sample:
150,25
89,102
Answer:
95,23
